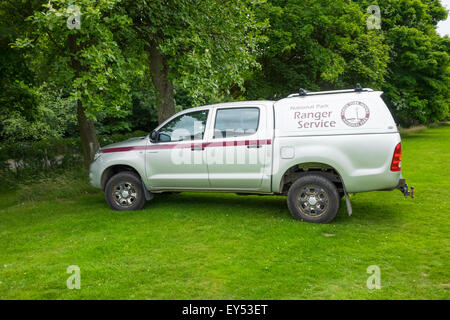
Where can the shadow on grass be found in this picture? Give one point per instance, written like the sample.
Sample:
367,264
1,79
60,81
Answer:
365,211
220,203
91,211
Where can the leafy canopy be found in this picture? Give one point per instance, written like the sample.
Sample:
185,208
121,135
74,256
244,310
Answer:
209,45
87,62
418,78
317,44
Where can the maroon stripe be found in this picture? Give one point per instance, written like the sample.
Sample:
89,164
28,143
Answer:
236,143
190,145
121,149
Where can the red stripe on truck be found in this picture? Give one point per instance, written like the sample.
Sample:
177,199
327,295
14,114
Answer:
122,149
190,145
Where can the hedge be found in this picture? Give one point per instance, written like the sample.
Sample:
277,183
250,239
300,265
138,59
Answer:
47,155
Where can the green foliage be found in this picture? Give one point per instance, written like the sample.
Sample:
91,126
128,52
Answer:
418,81
87,62
316,45
27,158
55,114
17,81
143,115
55,117
209,44
18,97
24,160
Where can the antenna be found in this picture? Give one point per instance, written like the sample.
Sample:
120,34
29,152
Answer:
358,88
303,92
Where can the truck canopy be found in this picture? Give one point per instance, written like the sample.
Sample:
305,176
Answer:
333,113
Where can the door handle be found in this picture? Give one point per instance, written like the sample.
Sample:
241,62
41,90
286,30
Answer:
197,148
254,146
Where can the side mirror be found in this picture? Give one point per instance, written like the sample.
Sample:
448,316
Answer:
154,136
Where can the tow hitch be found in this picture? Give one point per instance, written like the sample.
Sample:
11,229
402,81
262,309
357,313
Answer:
403,187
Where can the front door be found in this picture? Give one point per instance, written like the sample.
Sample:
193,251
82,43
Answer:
178,160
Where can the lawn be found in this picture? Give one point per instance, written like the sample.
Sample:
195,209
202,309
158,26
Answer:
224,246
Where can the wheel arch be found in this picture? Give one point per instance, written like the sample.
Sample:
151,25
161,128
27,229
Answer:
300,169
114,169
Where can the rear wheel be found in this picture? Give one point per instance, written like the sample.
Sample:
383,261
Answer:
313,198
124,192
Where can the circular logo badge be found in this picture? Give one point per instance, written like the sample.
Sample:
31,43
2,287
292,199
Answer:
355,114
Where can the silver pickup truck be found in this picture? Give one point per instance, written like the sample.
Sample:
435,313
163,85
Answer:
314,147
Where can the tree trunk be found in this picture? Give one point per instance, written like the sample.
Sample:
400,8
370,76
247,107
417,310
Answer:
160,78
89,141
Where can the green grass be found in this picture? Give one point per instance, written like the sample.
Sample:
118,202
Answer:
223,246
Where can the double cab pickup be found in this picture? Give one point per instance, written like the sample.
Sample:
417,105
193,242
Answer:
313,147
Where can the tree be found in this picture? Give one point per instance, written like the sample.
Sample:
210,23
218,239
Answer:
316,44
204,47
75,47
418,78
17,79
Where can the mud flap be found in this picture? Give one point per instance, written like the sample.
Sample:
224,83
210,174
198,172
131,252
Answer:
148,195
347,201
348,204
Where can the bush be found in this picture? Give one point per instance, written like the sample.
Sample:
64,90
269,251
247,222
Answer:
55,117
38,158
25,158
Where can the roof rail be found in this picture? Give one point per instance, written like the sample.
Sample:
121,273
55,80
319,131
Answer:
304,93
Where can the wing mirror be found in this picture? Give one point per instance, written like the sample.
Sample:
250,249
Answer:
154,136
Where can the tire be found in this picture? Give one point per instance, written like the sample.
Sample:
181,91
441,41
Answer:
131,197
313,198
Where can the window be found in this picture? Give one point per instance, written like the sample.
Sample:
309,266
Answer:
235,122
188,126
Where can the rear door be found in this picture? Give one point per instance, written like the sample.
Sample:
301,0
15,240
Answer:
237,147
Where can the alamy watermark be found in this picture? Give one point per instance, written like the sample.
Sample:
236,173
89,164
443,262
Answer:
74,281
74,21
374,281
374,20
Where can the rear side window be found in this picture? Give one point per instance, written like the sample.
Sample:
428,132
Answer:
236,122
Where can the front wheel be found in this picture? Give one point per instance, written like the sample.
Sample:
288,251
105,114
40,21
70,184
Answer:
313,198
124,192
